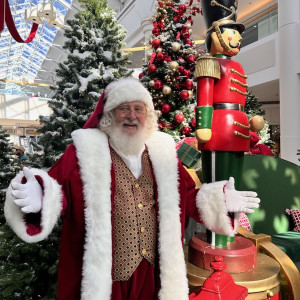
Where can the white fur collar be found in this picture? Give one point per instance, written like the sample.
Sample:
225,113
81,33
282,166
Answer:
95,166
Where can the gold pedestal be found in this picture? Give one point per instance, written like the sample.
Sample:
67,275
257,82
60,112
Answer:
262,282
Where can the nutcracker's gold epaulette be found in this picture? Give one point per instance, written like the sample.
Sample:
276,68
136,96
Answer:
207,66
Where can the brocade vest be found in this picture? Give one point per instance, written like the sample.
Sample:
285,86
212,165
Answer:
134,218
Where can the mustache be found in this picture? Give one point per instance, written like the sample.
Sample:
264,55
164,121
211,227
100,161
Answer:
128,122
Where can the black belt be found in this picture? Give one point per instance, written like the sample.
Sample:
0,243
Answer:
234,106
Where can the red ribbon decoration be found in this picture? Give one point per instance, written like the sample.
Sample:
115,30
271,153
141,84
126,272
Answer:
153,55
7,17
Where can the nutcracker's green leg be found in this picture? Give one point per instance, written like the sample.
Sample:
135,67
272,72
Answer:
216,166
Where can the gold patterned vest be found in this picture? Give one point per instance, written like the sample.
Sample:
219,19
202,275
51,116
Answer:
134,218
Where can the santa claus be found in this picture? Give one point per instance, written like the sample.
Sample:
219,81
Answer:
123,196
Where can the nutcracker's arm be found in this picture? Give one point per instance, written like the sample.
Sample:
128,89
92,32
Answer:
207,70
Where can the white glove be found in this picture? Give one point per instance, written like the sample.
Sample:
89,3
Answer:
29,195
237,201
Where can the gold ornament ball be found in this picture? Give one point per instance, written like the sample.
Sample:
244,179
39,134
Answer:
176,46
158,50
148,55
174,65
191,94
257,123
196,53
190,32
166,90
151,83
188,26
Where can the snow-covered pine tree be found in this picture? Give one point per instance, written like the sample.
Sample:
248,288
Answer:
28,271
94,60
168,73
8,168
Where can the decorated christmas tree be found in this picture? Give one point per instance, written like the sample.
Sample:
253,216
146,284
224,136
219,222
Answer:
29,271
168,73
253,108
8,168
94,60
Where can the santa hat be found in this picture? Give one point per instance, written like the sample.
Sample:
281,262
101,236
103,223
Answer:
118,92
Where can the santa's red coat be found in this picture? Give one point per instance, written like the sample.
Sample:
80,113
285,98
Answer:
81,187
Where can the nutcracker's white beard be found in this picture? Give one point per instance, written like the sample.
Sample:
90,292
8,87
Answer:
128,144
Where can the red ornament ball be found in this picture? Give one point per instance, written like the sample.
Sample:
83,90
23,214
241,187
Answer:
160,56
158,85
190,59
188,42
166,108
186,130
181,69
156,43
189,84
184,95
141,75
182,8
187,73
194,122
179,118
156,31
151,69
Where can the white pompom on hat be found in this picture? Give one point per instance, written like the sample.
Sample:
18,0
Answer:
126,90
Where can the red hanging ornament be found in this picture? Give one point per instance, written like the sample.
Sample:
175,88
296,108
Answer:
194,122
186,130
141,75
166,108
158,85
188,42
170,126
184,95
160,56
187,73
152,69
156,43
189,84
181,69
182,8
190,59
179,118
156,31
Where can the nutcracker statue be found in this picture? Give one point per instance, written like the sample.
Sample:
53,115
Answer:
222,126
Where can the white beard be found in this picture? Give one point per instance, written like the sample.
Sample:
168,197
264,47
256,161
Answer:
128,144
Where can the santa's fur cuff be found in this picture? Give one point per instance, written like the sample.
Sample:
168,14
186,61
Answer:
211,206
50,212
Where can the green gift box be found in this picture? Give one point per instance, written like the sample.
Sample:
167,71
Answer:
188,155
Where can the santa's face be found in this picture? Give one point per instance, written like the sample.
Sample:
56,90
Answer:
130,117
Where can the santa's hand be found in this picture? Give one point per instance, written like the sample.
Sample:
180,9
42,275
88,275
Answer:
29,195
237,201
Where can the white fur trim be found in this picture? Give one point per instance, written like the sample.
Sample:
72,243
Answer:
174,284
211,205
50,213
95,166
126,90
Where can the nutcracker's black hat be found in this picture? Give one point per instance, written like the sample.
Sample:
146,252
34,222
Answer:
224,12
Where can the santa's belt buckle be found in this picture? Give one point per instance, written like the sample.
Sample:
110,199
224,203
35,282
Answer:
235,106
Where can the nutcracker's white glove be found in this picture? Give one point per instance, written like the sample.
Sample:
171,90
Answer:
237,201
29,195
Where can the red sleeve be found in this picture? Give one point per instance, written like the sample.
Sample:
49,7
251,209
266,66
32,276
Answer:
188,193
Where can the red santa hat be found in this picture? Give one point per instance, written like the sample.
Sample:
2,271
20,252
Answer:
118,92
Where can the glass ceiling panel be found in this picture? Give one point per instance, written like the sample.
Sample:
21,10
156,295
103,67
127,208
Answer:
22,61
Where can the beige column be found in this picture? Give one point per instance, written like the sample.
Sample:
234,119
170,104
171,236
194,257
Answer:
289,78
